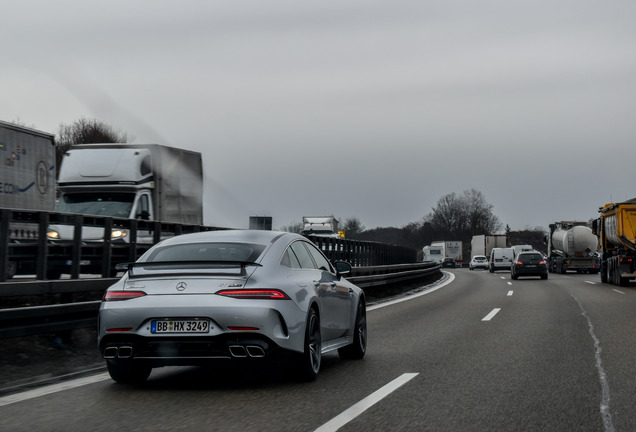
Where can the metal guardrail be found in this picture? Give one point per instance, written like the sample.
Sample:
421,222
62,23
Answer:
35,254
71,315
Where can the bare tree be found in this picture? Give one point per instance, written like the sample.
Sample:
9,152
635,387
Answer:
294,227
459,217
86,131
352,227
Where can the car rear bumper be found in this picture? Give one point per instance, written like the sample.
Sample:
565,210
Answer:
185,351
531,272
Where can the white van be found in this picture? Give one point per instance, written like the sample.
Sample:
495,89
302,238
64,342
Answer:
516,250
500,259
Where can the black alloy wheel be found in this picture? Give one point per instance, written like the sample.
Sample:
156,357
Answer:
309,362
359,346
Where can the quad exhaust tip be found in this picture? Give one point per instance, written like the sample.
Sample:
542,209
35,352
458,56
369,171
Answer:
118,352
240,351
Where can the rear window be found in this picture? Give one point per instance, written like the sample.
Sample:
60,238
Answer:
530,257
208,252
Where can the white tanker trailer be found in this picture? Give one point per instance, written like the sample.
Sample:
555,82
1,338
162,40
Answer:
572,246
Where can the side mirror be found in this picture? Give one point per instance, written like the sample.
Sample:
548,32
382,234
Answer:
342,268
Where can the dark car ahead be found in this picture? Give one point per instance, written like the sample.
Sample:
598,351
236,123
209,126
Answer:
448,262
529,264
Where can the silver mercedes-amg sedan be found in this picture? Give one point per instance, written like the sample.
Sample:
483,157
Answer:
222,295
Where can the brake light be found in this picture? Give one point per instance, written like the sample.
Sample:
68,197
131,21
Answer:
122,295
518,262
259,294
542,262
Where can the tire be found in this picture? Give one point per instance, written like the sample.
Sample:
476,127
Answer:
358,348
544,277
128,372
513,277
308,364
603,273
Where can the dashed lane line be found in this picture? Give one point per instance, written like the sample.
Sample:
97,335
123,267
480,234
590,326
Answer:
355,410
491,315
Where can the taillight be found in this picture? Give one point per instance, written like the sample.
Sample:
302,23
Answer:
260,294
122,295
518,263
542,262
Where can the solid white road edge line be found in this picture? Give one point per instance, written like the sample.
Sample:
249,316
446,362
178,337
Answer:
54,388
355,410
606,413
410,297
492,313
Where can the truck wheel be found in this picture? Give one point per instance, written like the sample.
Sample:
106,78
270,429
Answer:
603,273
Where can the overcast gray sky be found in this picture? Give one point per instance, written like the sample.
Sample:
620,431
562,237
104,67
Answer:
373,109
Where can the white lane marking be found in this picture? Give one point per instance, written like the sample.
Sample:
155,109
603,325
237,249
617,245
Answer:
355,410
509,283
492,313
590,282
605,393
510,293
618,291
502,277
409,297
54,388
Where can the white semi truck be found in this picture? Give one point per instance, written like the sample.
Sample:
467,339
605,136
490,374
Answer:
322,226
148,182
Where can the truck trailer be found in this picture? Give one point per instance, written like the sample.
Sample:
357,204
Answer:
451,249
616,228
572,246
27,182
484,244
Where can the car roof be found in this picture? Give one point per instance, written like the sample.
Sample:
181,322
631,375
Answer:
533,252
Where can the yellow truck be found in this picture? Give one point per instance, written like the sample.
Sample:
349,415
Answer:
616,229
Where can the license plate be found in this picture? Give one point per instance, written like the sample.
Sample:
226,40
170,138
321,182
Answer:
531,265
180,326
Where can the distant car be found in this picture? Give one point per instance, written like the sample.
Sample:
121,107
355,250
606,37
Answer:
478,261
233,295
448,262
529,264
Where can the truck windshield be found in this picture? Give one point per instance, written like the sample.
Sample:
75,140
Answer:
111,204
